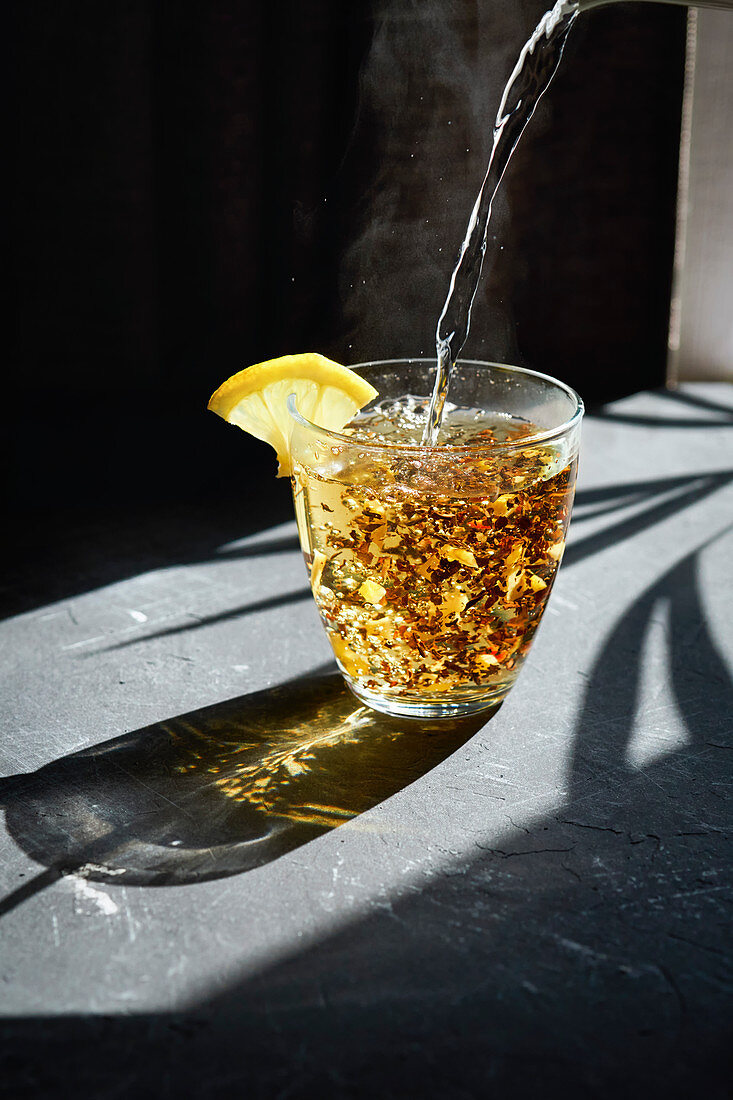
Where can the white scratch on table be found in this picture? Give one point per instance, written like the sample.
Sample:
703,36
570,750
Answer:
133,925
86,641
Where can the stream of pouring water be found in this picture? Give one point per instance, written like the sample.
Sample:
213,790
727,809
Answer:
532,75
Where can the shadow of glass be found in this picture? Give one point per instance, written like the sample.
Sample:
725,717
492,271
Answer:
221,790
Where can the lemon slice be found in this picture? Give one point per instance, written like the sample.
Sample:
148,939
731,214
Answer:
255,399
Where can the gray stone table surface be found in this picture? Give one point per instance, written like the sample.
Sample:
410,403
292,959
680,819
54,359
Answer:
220,873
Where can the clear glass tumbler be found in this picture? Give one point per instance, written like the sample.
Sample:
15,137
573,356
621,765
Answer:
431,566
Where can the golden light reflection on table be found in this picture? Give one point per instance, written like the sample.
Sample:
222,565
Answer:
313,753
224,789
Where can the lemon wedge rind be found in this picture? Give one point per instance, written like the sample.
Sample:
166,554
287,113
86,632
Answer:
255,399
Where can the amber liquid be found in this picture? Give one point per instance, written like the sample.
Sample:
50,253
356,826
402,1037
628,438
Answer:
431,576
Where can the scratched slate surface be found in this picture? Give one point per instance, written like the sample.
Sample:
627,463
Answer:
537,903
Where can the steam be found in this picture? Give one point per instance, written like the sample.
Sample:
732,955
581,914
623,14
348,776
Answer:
430,88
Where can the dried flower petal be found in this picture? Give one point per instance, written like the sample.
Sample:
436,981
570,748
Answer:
372,592
455,553
319,560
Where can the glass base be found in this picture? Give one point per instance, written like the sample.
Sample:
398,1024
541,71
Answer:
431,709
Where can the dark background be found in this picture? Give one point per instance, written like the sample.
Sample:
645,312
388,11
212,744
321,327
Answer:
199,186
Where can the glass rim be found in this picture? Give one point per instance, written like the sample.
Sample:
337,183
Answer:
515,444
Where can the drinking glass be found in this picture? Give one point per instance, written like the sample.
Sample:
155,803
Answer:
431,566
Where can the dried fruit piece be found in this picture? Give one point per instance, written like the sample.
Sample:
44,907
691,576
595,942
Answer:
372,592
455,553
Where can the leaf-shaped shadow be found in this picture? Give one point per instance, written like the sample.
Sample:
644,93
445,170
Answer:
220,790
723,419
268,604
694,488
700,681
670,495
